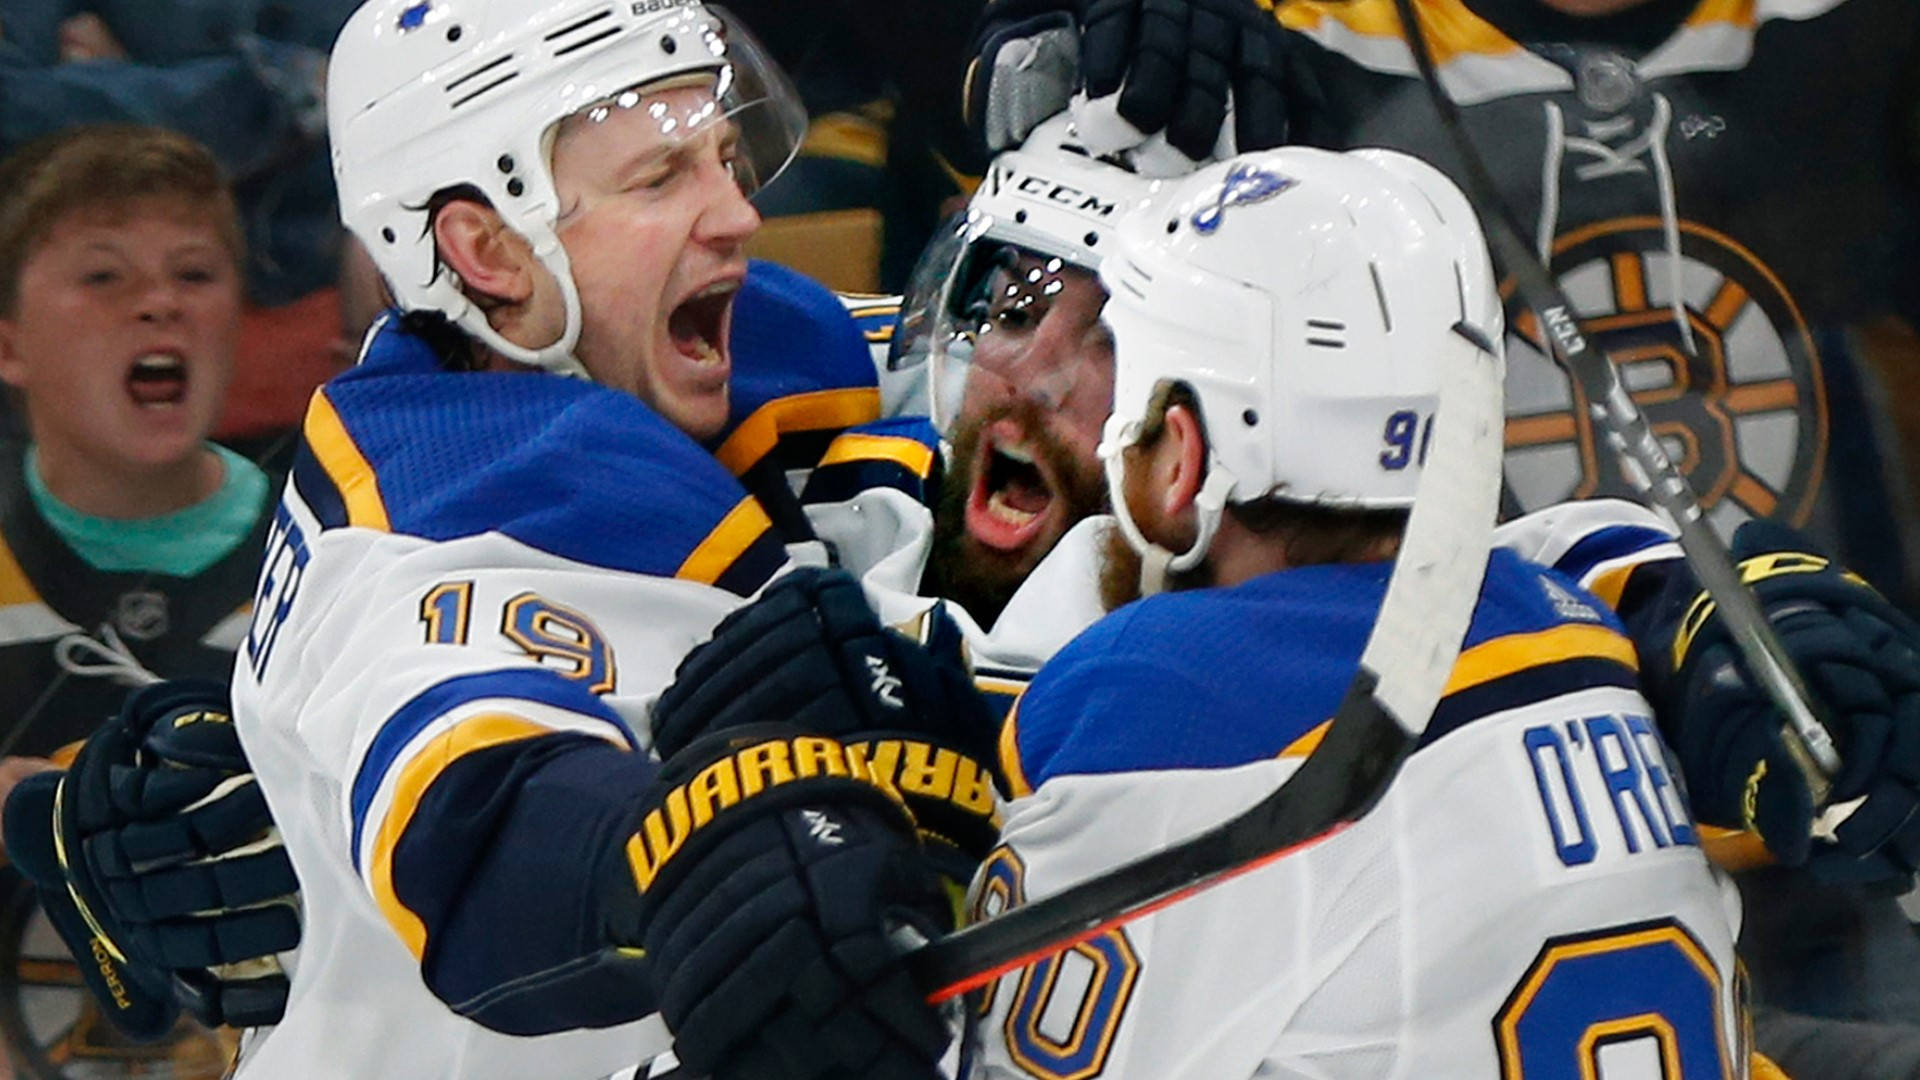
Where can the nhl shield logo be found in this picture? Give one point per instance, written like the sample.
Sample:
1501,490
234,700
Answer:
141,615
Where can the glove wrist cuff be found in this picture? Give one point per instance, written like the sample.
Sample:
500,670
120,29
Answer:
725,780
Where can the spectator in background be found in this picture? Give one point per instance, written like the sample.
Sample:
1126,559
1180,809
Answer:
244,77
120,298
120,258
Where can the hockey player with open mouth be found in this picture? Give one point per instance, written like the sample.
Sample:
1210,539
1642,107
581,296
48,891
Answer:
503,531
1017,502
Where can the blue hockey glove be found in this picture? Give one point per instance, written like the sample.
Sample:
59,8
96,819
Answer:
1861,661
811,653
771,875
156,856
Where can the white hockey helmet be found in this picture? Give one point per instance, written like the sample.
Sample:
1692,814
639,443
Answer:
1310,299
428,95
1049,202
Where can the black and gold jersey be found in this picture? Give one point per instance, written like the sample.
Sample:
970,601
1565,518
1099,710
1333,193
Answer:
1723,189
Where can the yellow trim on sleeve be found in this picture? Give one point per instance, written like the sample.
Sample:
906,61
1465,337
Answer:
14,586
915,455
1017,783
1308,743
1453,30
1763,1068
337,453
1490,660
410,786
1733,849
1612,584
729,540
1741,13
815,411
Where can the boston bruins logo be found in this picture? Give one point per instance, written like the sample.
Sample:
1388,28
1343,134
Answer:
1729,378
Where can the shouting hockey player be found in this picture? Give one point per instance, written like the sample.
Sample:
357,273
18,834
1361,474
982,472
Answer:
1272,475
481,571
1661,159
1164,719
1010,319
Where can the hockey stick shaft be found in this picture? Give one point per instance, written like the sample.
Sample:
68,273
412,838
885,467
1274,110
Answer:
1313,804
1409,654
1643,459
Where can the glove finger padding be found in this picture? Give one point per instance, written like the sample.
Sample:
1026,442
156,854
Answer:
1262,94
811,653
136,996
1860,658
171,852
1756,786
1207,75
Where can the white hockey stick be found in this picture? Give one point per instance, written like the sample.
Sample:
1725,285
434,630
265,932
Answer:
1408,656
1643,460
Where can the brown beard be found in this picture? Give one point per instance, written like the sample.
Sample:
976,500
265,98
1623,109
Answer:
1120,566
1120,573
960,568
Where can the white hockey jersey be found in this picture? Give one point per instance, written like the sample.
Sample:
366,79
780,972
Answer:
538,562
1528,899
471,573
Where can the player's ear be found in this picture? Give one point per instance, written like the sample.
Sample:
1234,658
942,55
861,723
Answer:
492,260
1184,459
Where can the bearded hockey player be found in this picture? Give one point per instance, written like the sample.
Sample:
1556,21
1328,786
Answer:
1528,896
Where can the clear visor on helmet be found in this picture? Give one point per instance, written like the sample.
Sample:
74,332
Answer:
741,113
991,319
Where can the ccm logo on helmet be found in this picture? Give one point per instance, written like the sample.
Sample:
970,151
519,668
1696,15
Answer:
1065,194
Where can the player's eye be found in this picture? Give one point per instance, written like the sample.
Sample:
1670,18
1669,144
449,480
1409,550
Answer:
1013,318
654,179
100,276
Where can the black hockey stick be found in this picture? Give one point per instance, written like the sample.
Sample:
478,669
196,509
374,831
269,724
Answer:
1408,656
1642,458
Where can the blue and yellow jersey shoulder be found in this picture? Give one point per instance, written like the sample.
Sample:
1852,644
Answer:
563,466
876,314
1220,677
902,453
802,372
